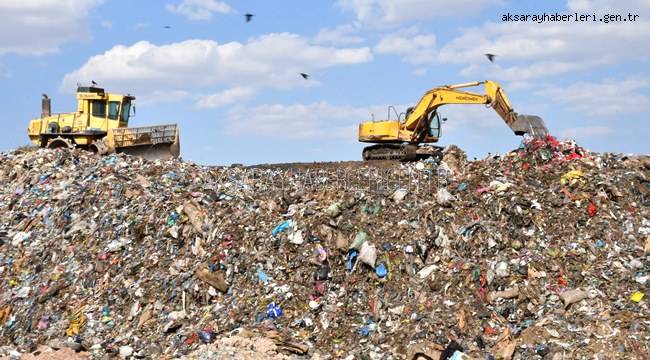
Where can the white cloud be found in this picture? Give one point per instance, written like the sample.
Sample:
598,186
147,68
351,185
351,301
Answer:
37,27
199,9
162,96
226,97
606,98
528,50
572,41
387,12
420,71
322,119
340,35
106,24
316,120
414,48
272,60
611,6
462,117
522,74
585,132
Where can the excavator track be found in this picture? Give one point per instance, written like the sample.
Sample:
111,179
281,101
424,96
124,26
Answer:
401,152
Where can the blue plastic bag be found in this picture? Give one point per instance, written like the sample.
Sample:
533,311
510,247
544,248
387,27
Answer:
262,277
352,258
285,225
381,270
207,336
274,311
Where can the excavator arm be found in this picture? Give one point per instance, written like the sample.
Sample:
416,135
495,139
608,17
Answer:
520,124
494,97
395,138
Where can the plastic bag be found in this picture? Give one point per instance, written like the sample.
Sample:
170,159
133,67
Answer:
368,254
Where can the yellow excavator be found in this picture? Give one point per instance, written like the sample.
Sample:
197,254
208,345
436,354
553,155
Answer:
402,139
100,125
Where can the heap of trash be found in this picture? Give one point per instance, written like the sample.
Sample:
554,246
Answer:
543,252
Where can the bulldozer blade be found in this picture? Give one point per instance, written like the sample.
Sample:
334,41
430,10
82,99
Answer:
149,142
152,152
532,125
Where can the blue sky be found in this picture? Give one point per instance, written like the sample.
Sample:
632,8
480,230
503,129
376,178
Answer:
235,90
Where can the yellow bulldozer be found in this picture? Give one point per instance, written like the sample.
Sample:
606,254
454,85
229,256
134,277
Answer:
405,139
100,125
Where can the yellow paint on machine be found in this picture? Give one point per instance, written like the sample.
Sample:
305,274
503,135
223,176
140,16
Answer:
101,125
421,123
378,131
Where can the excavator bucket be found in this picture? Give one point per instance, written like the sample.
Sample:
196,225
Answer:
532,125
149,142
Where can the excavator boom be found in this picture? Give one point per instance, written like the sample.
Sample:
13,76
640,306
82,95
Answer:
532,125
397,139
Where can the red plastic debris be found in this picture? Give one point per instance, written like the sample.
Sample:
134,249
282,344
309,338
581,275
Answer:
489,330
592,209
561,280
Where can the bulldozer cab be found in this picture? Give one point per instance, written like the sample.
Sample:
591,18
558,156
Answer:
106,110
101,125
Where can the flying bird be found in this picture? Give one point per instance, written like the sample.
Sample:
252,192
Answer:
45,96
93,82
304,76
490,57
167,27
249,17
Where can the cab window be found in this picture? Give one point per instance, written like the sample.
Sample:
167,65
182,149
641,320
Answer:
113,110
99,108
434,124
126,111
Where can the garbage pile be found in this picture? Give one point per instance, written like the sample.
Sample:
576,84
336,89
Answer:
534,254
550,149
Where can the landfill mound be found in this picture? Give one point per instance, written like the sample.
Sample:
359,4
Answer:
539,253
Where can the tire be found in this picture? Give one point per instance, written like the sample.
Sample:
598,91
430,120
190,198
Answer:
60,143
98,147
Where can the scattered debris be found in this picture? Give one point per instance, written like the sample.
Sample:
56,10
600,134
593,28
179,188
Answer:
121,256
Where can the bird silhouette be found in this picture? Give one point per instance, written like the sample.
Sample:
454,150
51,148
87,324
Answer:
45,96
490,57
249,17
304,76
167,27
93,82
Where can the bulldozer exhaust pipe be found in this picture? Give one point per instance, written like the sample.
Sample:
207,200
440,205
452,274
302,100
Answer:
46,107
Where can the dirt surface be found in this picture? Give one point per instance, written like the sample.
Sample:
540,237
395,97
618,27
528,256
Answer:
334,165
238,347
46,353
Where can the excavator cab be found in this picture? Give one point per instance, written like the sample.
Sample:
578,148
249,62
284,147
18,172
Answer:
434,124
